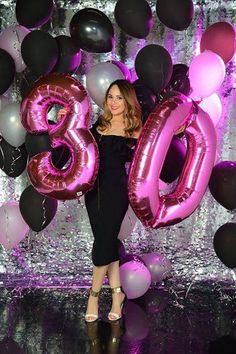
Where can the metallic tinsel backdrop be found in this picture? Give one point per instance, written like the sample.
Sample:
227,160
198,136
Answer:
60,254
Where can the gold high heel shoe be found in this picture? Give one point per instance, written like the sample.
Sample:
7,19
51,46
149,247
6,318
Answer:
93,317
114,314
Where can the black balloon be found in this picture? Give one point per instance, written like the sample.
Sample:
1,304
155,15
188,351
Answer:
225,344
69,55
7,71
92,31
174,161
134,17
180,69
175,14
154,67
42,142
222,184
36,209
13,160
165,95
179,80
147,99
33,13
40,52
27,82
225,244
9,346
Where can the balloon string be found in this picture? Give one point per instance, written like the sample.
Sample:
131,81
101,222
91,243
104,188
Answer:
190,285
44,213
14,159
2,153
18,38
7,226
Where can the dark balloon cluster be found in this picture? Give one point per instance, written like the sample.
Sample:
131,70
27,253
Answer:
222,186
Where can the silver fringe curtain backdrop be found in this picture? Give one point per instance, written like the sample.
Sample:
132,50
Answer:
60,254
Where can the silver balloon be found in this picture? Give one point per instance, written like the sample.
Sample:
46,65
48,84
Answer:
99,78
158,265
4,101
10,40
10,125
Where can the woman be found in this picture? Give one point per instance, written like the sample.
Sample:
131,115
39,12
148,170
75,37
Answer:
116,134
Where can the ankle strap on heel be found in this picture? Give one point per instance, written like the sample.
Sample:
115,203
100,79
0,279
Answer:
93,293
118,289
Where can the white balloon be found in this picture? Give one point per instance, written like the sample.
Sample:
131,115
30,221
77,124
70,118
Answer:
13,227
11,127
213,106
128,224
10,40
4,101
99,78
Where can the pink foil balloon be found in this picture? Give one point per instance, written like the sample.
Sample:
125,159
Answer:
152,209
72,131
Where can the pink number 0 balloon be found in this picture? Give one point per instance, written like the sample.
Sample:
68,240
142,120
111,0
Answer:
72,131
157,210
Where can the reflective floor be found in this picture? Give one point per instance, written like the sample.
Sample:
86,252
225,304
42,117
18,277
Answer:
161,322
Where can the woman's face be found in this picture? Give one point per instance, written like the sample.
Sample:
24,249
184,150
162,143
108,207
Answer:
115,101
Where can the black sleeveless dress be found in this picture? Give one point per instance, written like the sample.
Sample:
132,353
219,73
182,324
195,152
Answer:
108,201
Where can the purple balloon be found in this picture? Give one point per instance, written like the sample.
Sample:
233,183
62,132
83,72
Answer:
158,265
136,322
131,257
156,300
135,279
123,68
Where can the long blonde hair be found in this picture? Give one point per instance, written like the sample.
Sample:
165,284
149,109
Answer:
132,117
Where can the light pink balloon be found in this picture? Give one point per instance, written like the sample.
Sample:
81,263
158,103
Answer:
13,227
135,279
206,74
157,210
10,40
72,130
213,106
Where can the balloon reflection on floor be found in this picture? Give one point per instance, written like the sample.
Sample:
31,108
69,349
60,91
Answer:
52,321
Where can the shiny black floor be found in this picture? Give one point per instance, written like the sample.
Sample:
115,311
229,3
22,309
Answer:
161,322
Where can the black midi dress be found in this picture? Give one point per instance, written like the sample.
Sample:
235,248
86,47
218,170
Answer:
108,201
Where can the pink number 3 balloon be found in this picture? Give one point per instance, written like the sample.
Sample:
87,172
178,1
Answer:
157,210
72,131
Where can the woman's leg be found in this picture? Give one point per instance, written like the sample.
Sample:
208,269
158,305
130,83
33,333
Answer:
98,277
114,281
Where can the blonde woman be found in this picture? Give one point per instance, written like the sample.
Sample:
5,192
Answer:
116,133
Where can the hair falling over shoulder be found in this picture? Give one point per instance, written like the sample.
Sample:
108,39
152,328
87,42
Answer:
133,113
